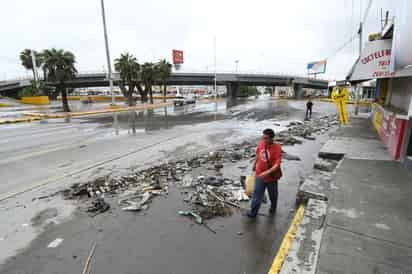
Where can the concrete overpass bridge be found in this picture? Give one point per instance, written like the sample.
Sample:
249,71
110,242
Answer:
232,81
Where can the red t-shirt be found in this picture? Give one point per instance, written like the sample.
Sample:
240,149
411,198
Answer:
274,153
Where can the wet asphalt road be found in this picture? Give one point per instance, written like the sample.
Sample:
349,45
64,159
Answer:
158,241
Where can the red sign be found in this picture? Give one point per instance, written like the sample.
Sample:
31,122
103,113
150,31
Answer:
391,129
177,57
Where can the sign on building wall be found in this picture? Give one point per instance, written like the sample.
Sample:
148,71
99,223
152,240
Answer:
391,129
316,67
374,61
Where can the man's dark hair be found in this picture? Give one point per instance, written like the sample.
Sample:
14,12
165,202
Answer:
269,132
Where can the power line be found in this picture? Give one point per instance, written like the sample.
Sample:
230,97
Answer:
344,45
354,36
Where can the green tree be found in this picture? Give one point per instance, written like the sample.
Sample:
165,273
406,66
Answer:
27,62
164,70
130,76
149,76
60,67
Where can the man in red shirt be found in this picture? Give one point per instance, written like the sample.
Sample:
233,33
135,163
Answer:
268,172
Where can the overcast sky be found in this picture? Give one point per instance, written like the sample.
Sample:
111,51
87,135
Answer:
264,35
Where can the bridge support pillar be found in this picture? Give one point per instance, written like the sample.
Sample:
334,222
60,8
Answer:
232,90
297,91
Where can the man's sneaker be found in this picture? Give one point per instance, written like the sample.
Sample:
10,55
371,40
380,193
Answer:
272,210
250,215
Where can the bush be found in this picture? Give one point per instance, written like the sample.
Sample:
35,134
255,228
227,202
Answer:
32,90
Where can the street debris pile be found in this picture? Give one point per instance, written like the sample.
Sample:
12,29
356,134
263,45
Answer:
306,130
208,193
212,196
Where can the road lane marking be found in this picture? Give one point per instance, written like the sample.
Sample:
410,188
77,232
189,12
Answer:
287,242
36,185
31,152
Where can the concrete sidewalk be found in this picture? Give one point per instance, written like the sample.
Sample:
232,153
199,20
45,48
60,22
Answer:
359,221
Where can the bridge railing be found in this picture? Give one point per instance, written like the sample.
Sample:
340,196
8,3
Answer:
194,71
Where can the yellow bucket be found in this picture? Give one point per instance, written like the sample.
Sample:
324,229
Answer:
250,185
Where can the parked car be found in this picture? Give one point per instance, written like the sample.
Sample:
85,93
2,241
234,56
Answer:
184,100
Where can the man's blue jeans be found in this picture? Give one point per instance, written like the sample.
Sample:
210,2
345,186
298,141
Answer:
259,192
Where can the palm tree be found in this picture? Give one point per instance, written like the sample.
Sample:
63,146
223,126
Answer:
164,69
129,70
60,67
27,62
149,76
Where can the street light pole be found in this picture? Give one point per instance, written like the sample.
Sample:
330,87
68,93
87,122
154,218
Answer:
236,62
109,66
215,69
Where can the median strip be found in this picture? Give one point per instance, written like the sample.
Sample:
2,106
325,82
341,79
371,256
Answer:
18,120
102,111
33,116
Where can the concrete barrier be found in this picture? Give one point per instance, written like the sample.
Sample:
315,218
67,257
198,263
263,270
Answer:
35,100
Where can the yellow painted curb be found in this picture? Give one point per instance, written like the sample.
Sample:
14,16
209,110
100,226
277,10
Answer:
287,242
18,120
102,111
5,105
35,100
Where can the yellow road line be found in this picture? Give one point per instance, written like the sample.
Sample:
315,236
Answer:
287,242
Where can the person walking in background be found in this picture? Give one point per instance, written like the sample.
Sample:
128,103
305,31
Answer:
268,172
309,106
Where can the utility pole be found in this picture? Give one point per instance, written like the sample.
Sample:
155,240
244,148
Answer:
215,68
358,87
109,66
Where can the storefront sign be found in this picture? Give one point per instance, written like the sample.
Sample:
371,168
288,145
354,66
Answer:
177,57
374,62
391,129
